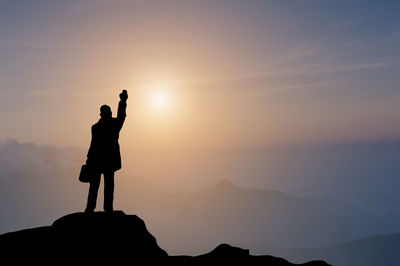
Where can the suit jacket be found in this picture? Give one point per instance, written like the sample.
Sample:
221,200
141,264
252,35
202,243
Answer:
104,153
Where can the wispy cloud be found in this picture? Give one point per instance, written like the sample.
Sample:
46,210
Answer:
368,65
42,92
315,68
279,89
26,44
302,51
299,62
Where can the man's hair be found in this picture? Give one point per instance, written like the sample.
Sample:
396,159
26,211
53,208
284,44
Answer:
105,111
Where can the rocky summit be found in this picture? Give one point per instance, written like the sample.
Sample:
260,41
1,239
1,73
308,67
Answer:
116,238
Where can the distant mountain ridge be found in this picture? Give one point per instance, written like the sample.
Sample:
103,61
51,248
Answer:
370,251
43,179
254,215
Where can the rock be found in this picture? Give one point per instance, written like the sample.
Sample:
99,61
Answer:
113,238
225,250
96,237
116,233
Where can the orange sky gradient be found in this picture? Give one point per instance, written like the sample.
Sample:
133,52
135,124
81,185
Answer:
238,76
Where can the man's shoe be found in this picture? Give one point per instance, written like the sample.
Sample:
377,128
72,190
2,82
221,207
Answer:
88,211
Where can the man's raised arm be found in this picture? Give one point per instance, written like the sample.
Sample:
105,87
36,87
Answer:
122,108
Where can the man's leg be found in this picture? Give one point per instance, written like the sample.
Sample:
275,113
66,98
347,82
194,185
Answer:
93,189
108,191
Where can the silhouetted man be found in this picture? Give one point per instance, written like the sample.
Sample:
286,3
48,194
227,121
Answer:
104,155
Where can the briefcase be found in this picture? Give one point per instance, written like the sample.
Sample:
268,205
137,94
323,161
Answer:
84,175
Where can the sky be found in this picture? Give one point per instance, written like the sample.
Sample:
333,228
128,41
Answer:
204,78
299,97
238,73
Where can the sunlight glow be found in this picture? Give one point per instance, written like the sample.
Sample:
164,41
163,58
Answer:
160,99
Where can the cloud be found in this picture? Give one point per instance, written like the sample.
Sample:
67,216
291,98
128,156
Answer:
304,50
29,159
279,89
307,71
38,182
303,60
381,63
27,44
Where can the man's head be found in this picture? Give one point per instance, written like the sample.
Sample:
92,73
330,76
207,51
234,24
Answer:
105,111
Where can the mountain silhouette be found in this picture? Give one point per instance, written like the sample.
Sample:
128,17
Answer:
112,238
242,216
370,251
43,180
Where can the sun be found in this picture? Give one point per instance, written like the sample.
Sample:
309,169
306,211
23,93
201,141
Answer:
160,99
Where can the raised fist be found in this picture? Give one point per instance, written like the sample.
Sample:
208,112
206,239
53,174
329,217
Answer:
123,95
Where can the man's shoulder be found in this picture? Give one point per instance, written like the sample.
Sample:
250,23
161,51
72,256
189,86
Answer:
95,125
101,125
